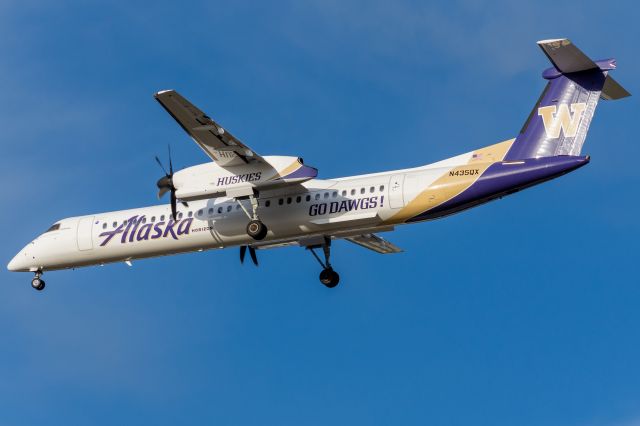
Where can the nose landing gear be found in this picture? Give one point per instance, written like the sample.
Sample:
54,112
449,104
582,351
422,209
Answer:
328,276
37,282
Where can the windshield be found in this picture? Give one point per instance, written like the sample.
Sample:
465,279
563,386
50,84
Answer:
53,228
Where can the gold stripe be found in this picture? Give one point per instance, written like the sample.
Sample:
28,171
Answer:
287,170
452,182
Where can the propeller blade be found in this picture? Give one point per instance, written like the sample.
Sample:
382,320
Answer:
170,163
163,191
174,206
243,251
161,166
252,253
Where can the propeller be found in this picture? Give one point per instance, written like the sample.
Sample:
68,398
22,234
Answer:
252,253
165,184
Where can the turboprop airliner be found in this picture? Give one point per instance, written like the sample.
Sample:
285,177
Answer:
243,199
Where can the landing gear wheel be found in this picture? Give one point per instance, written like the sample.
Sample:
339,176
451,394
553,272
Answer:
329,277
257,230
37,284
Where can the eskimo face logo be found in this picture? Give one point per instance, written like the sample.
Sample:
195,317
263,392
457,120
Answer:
556,119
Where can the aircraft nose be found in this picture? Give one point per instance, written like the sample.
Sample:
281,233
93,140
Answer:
20,262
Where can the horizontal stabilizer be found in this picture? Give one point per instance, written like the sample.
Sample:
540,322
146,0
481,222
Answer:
612,90
565,56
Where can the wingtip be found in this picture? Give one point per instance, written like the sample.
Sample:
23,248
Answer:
163,91
554,40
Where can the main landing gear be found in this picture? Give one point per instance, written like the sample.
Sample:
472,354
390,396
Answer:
328,276
37,282
255,228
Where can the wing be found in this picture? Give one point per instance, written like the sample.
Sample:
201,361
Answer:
363,237
375,243
217,143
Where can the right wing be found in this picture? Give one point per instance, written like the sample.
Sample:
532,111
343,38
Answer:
363,237
220,145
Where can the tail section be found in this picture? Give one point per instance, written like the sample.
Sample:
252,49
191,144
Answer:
559,122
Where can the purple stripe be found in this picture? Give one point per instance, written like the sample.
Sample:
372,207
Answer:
503,179
304,172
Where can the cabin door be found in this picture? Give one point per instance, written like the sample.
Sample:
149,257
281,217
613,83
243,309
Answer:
396,199
85,228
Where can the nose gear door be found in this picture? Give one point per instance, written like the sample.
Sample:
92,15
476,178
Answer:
84,233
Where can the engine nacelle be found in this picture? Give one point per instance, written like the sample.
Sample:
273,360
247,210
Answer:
211,180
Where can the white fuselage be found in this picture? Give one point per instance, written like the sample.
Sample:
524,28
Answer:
344,206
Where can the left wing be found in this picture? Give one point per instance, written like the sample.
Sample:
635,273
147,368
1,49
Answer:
220,145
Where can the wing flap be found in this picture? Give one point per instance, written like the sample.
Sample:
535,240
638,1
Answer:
375,243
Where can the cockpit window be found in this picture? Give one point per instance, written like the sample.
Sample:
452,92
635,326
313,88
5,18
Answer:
53,228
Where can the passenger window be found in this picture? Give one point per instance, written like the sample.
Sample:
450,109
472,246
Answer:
210,210
317,197
162,218
344,193
288,200
153,218
144,219
353,192
372,189
219,210
362,190
298,199
179,215
280,201
237,206
199,212
104,225
115,224
267,203
308,198
229,208
381,188
335,194
191,213
326,195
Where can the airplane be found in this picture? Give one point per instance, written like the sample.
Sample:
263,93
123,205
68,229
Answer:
243,199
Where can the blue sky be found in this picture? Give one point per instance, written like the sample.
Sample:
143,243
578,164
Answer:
523,311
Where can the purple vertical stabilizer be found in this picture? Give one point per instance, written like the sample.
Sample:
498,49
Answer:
559,121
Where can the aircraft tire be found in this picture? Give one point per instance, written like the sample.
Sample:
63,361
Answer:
37,284
329,277
257,230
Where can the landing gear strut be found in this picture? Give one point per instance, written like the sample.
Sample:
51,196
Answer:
255,228
37,282
328,276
